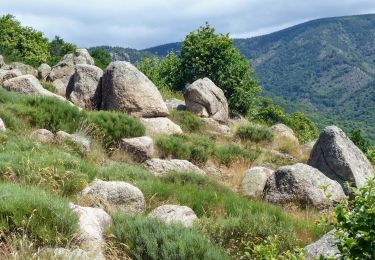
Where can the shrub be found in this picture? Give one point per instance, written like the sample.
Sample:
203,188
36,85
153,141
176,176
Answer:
49,86
40,216
58,48
355,224
150,239
187,120
228,154
115,126
102,58
254,133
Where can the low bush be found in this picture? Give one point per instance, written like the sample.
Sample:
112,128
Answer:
187,120
144,238
254,133
49,86
113,126
228,154
38,215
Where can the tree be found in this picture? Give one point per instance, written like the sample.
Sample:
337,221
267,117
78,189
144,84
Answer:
58,48
23,44
102,58
207,54
360,141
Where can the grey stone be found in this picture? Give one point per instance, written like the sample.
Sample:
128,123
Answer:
8,74
175,103
254,181
64,253
43,136
122,195
325,246
205,99
214,127
141,148
160,167
174,214
2,126
337,157
2,63
84,90
24,68
160,126
126,89
43,71
302,184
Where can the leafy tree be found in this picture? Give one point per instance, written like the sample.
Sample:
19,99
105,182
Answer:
58,48
102,58
359,140
207,54
22,44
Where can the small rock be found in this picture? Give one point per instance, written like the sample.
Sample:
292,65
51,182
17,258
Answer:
254,181
43,136
92,222
174,214
8,74
160,167
141,148
160,126
340,159
215,127
43,71
325,246
205,99
2,126
121,195
175,103
302,184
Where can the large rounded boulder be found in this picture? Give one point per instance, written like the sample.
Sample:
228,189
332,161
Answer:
9,74
254,181
304,185
205,99
128,90
84,89
339,158
173,214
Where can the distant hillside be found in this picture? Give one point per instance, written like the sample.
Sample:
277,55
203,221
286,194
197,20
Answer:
324,67
125,54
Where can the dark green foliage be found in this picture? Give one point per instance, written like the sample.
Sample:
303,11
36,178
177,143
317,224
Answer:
113,126
228,154
355,225
40,216
22,44
254,133
361,142
102,58
58,48
187,120
195,148
150,239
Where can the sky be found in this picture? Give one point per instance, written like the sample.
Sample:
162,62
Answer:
140,24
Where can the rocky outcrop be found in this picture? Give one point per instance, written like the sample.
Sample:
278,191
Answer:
92,223
24,68
2,126
28,85
325,247
126,89
140,148
254,181
160,167
8,74
215,128
43,136
160,126
205,99
63,71
175,103
337,157
120,195
43,71
302,184
84,88
174,214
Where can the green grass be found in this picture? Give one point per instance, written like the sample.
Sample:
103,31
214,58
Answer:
254,133
42,217
187,120
151,239
231,153
49,86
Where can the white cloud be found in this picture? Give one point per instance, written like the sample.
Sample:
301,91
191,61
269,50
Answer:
145,23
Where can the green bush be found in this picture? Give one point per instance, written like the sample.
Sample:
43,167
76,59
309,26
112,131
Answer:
58,48
187,120
113,126
151,239
228,154
102,58
36,214
194,148
49,86
254,133
355,224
